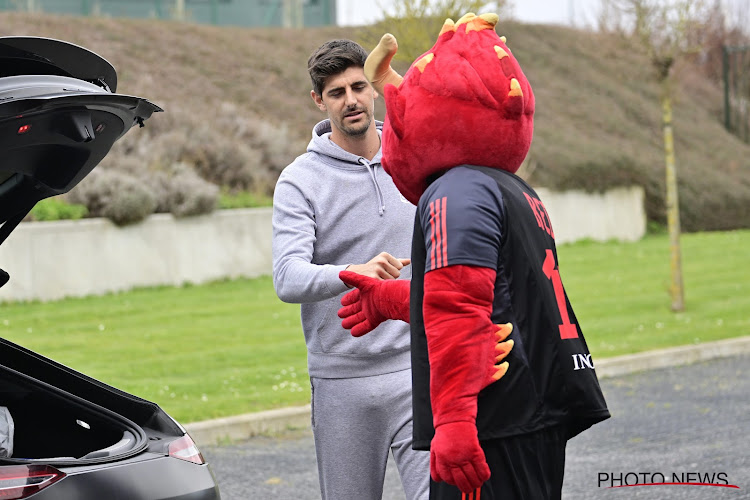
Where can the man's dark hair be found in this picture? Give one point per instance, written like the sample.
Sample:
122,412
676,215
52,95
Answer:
332,58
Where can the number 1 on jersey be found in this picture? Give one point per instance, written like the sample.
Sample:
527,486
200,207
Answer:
567,329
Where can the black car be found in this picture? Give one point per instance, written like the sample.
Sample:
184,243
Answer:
64,435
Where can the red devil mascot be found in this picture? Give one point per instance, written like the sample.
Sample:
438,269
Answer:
495,414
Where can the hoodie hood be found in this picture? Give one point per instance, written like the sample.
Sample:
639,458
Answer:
322,144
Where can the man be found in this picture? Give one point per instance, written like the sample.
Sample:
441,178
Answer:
335,209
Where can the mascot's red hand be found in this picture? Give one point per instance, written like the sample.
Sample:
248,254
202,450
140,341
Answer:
457,458
372,301
466,351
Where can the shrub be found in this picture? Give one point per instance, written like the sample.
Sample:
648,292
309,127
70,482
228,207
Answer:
223,160
177,189
242,151
237,151
278,145
183,192
116,195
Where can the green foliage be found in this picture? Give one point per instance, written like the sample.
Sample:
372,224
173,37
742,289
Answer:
653,227
57,209
244,199
417,23
232,347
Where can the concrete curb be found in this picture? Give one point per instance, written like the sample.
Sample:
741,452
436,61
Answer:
673,356
272,422
237,428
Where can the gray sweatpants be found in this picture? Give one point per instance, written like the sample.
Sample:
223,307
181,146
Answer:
355,422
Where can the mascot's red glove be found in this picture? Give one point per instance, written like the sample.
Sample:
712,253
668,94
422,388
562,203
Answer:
465,348
372,302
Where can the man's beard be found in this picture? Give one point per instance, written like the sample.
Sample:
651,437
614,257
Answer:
358,129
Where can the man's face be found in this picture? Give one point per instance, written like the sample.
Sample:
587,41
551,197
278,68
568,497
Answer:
349,100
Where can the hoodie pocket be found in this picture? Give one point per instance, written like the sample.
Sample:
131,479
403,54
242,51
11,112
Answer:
332,337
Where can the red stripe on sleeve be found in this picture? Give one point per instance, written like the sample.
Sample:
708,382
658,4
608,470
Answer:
432,235
438,234
444,232
437,243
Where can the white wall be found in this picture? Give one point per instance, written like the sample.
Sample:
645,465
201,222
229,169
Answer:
51,260
618,214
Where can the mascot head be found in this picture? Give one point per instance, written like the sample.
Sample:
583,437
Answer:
466,101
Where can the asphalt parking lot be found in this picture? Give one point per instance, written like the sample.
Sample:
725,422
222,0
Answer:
686,424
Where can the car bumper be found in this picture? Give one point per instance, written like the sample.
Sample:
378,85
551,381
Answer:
161,478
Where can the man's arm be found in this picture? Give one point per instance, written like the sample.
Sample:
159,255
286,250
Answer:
295,278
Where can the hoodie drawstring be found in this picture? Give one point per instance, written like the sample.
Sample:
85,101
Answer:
371,169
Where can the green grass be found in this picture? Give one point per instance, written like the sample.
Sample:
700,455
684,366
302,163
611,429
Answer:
199,351
232,347
620,292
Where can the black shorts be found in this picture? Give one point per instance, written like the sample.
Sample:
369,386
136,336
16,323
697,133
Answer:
526,467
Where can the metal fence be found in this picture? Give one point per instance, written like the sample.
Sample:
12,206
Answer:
736,70
289,13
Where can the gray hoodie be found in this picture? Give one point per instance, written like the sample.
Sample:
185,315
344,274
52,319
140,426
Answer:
332,209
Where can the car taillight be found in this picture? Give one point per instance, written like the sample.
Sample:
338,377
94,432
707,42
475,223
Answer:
184,449
22,481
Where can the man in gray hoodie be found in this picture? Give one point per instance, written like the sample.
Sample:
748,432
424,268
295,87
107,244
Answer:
335,208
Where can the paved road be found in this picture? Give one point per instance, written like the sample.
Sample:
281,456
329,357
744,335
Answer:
687,420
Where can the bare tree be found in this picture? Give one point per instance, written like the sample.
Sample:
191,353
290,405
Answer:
609,19
416,23
668,30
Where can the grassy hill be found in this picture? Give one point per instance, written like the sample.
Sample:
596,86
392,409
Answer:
598,121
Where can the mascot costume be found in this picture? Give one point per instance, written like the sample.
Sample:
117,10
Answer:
494,413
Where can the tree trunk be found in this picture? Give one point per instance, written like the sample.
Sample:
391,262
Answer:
673,208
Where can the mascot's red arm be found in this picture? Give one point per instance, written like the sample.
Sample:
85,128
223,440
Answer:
464,347
466,351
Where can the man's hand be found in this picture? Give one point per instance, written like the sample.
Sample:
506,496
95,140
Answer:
457,458
383,266
372,302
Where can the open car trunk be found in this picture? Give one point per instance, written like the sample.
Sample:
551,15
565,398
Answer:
61,416
80,429
59,116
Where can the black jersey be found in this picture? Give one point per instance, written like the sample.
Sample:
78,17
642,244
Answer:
485,217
